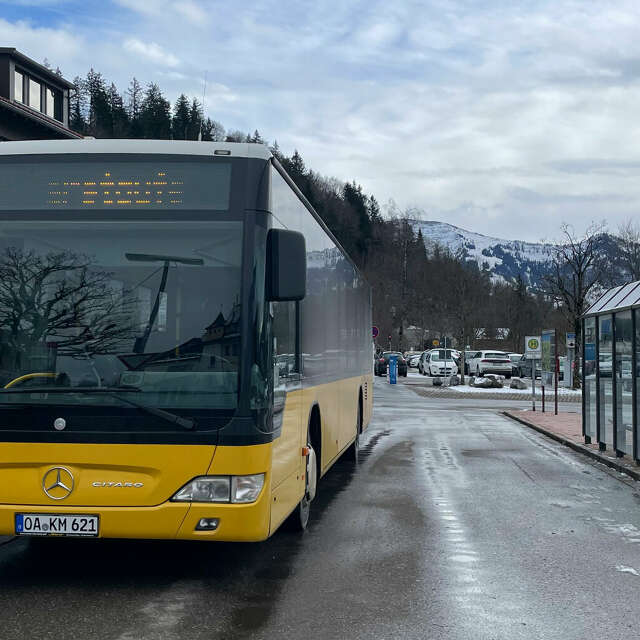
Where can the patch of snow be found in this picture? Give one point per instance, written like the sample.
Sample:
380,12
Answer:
622,569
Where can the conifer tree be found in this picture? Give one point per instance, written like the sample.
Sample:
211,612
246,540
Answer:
155,114
77,106
100,123
119,117
134,108
297,167
195,120
212,131
181,119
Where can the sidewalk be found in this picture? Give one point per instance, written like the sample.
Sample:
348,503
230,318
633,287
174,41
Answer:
566,428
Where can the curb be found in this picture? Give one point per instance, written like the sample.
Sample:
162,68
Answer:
609,462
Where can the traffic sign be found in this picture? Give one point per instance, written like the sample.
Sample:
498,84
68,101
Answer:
571,340
375,331
533,347
436,343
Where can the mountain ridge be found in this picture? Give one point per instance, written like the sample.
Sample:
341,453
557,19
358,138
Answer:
504,259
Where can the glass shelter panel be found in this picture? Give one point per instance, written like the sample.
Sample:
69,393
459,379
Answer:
624,382
637,377
605,364
590,387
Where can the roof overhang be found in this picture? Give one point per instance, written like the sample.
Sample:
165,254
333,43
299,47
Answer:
626,296
40,69
37,119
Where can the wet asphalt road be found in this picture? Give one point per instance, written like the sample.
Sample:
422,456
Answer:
456,524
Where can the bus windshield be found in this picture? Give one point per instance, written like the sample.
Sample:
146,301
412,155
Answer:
151,308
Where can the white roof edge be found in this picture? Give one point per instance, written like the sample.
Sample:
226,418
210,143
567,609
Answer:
170,147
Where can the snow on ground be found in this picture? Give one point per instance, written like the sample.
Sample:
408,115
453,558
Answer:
562,391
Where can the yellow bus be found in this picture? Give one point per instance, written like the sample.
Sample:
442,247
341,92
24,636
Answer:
185,349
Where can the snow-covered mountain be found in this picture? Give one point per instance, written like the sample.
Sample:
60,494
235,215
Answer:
504,259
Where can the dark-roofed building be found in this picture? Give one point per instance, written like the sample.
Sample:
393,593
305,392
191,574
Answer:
34,101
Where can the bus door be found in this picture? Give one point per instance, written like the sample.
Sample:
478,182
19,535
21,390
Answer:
287,393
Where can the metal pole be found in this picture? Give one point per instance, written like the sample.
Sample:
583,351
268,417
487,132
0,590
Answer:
542,398
533,384
556,385
445,361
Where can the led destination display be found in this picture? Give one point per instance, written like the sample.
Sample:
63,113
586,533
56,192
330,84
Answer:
117,185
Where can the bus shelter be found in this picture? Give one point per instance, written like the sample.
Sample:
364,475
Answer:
611,357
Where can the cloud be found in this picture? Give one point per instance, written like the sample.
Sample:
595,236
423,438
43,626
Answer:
194,12
504,117
59,45
151,51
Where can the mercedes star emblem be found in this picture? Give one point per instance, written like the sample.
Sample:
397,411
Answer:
58,483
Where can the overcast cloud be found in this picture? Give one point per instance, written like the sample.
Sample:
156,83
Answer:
504,118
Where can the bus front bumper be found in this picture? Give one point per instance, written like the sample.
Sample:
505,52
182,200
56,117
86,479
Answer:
167,521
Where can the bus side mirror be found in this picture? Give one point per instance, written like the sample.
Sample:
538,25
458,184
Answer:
286,266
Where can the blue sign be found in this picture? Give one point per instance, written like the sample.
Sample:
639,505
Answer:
590,351
393,369
375,331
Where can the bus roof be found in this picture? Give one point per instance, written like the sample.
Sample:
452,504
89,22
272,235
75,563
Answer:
167,147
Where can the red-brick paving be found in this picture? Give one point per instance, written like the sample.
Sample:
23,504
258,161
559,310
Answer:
567,429
568,425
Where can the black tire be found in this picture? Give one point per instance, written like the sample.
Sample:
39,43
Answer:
299,518
353,452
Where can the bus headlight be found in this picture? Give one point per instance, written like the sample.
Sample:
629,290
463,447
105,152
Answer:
235,489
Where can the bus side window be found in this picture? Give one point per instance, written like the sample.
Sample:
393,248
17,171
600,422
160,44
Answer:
284,339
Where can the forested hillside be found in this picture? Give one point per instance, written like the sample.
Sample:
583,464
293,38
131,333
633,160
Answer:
434,289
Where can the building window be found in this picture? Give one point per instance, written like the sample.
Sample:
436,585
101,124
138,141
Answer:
34,94
50,102
18,83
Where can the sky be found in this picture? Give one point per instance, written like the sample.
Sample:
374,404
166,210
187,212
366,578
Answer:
503,117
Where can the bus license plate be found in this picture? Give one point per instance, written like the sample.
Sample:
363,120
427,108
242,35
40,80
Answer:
45,524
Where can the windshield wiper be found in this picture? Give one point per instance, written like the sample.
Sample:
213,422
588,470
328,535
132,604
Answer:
185,423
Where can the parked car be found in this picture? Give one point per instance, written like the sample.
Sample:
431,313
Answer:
515,359
468,355
421,360
438,363
412,357
523,368
382,362
490,362
413,360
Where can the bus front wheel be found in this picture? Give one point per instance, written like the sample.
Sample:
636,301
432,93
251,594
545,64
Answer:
299,519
